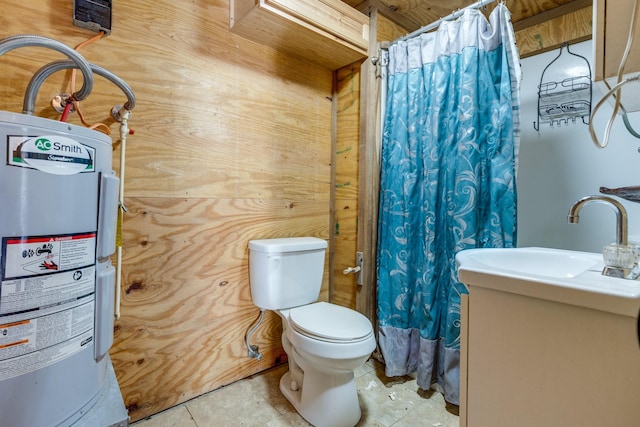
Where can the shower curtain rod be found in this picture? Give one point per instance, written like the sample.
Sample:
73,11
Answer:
454,15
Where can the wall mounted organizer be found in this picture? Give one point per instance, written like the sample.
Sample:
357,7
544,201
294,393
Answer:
564,92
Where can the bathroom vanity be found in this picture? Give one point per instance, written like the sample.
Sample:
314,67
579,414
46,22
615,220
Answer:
547,340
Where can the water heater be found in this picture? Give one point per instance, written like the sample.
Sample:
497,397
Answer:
58,214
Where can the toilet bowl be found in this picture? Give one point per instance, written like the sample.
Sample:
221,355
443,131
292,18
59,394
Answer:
327,354
325,343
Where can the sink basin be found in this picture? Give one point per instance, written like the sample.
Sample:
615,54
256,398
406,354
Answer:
539,261
565,276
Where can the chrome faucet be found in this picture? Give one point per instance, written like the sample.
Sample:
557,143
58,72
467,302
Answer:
621,215
620,259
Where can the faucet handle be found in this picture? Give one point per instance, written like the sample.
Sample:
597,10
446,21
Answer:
620,260
623,256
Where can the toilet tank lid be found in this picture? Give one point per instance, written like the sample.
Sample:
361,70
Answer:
288,244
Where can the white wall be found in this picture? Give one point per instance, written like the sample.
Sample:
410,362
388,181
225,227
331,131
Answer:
560,165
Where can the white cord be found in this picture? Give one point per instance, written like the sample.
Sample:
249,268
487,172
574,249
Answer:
616,88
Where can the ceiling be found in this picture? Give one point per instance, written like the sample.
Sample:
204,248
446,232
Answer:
413,14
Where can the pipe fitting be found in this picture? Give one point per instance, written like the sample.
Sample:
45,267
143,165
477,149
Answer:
43,73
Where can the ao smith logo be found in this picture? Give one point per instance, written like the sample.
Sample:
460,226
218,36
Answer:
55,154
44,144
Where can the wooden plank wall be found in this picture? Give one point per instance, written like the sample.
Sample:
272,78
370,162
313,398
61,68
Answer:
388,30
232,142
572,28
345,212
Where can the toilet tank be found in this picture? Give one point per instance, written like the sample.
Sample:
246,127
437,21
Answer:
286,272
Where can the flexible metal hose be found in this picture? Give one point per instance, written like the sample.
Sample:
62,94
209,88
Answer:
43,73
253,349
24,40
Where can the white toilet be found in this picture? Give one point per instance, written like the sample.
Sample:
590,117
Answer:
325,343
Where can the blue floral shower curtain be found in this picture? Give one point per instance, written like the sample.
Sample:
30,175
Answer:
449,156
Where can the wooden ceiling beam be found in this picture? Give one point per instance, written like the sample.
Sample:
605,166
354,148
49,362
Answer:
550,14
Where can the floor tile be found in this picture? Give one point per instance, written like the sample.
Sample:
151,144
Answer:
383,402
177,416
430,412
257,401
234,405
368,366
291,419
267,384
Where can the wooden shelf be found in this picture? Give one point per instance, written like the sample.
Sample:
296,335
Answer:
329,33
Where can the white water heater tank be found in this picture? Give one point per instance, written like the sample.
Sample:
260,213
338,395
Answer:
58,214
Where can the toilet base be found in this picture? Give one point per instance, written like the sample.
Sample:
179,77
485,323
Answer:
324,400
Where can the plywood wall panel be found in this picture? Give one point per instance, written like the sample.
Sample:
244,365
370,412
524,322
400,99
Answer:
345,215
346,220
388,30
187,286
347,132
232,142
262,163
347,164
217,227
573,27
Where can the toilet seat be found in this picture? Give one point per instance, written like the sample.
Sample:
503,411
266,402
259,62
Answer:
329,322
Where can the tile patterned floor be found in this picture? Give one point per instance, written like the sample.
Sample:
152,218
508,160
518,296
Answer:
257,401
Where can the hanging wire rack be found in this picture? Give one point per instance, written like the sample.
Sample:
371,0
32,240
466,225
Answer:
567,97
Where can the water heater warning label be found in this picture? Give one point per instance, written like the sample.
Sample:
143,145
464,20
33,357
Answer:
33,256
46,300
32,344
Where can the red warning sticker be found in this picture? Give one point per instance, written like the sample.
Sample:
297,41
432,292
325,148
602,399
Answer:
36,255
